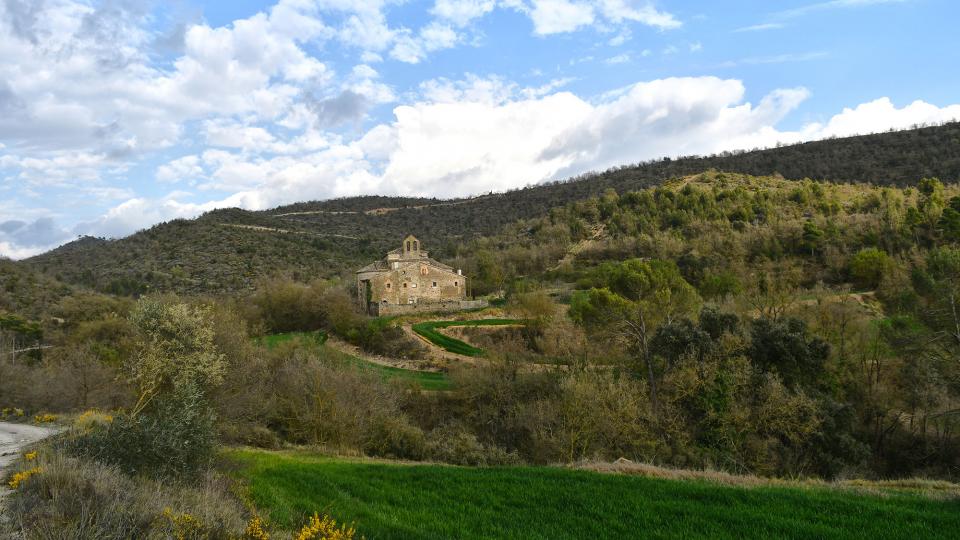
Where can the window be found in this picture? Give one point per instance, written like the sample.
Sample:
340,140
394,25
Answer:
434,283
388,285
456,283
414,285
408,245
404,285
416,245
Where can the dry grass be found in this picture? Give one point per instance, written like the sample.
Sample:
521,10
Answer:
935,489
74,498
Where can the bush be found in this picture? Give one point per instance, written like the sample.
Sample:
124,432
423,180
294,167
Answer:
78,498
175,436
868,266
450,444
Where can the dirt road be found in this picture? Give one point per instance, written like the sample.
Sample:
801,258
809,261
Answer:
14,437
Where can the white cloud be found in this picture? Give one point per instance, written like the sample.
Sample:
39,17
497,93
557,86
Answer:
413,49
834,4
181,169
776,59
624,10
556,16
760,27
462,12
618,59
879,115
484,134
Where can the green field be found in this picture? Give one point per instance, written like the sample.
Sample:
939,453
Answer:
429,331
427,380
387,500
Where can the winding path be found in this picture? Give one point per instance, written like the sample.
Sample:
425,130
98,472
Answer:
13,439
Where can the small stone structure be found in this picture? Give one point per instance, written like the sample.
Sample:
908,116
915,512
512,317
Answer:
407,280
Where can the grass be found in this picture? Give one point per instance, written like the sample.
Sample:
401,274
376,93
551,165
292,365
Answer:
429,331
389,500
426,380
272,340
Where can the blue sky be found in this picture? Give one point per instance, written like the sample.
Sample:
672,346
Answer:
118,114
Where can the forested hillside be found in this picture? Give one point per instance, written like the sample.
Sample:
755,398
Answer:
228,250
755,325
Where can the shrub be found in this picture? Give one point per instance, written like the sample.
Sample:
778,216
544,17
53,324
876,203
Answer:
324,528
92,419
451,444
175,436
78,498
868,266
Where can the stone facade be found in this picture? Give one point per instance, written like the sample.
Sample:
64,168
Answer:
407,280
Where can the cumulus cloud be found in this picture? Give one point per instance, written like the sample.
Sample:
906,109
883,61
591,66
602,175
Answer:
479,134
462,12
559,16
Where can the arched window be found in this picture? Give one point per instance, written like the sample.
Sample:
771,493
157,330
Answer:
408,245
416,245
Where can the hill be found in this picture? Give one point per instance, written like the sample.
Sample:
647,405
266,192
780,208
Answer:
394,500
28,293
229,250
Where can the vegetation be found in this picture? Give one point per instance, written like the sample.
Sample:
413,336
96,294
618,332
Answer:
426,380
429,331
231,250
751,325
430,501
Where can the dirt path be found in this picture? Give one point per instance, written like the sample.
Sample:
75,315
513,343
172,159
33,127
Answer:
13,439
439,353
285,231
353,350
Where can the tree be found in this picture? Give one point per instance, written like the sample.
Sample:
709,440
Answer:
943,267
176,349
949,224
868,266
635,298
783,347
812,237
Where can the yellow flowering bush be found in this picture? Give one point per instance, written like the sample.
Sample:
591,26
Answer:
8,411
324,528
255,530
93,418
22,476
184,525
30,456
45,418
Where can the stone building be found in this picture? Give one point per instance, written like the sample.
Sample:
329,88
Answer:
407,280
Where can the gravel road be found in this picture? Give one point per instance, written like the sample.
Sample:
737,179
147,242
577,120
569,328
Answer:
13,437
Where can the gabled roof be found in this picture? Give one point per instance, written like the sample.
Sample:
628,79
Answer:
383,265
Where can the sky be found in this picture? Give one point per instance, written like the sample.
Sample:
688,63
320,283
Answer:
116,115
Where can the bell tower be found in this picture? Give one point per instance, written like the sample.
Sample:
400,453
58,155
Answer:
411,247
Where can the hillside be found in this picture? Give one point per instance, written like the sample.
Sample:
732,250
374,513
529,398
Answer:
229,250
28,293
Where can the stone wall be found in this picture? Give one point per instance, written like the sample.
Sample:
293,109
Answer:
446,306
411,283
